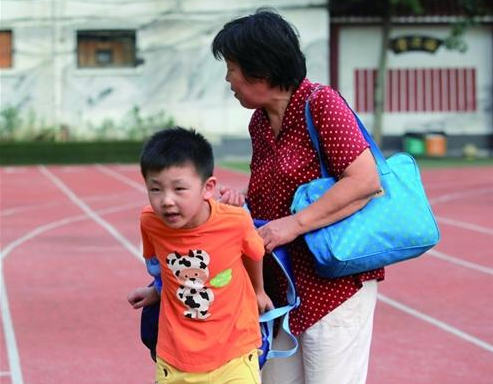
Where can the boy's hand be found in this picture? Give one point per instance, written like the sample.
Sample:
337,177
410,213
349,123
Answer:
264,302
142,297
231,196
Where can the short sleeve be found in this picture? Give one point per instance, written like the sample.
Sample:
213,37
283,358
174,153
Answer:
148,247
252,244
340,136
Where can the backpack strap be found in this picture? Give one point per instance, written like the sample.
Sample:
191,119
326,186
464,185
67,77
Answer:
267,319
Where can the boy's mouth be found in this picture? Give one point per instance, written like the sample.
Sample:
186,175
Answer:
171,216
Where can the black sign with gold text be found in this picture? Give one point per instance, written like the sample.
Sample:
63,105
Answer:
414,43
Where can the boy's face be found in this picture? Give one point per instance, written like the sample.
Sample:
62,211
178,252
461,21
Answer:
179,196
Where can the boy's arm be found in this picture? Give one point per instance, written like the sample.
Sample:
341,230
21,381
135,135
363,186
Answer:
254,269
142,297
253,253
154,269
145,296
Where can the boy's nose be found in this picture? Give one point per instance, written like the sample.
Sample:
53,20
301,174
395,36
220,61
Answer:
167,200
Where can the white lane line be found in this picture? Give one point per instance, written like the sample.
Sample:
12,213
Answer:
134,184
89,212
8,331
437,323
459,195
464,225
15,169
402,307
452,185
440,324
58,223
436,254
37,231
462,263
23,208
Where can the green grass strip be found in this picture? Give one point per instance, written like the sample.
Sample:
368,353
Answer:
24,153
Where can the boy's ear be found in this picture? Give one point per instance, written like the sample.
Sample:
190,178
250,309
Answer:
210,187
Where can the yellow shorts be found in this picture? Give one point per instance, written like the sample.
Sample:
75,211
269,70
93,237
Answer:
242,370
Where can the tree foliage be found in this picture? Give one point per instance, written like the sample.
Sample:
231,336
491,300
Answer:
467,12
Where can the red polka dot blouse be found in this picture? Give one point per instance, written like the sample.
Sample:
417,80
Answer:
278,166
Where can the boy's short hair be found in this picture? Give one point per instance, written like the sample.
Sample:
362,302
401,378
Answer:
265,46
177,146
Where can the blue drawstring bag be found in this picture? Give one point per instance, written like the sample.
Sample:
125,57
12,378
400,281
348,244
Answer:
150,315
149,321
268,318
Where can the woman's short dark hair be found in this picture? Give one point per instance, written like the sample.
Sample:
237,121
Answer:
265,46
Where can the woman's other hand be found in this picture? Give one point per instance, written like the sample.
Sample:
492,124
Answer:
279,232
230,196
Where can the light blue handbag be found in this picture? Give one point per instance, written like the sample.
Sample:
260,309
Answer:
395,225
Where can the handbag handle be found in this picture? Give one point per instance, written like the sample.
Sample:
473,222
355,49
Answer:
380,161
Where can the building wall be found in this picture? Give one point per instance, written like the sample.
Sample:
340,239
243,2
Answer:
359,49
179,75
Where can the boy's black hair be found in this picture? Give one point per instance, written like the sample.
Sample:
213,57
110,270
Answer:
265,46
177,146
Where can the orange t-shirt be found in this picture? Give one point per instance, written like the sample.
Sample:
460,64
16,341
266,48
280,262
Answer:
208,312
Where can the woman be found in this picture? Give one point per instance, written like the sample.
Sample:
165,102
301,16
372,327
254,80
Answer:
266,71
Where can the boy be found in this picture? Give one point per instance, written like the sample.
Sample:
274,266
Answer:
208,325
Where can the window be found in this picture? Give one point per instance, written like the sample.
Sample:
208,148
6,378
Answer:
419,90
106,49
5,49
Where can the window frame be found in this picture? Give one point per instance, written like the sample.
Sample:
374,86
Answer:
8,51
121,43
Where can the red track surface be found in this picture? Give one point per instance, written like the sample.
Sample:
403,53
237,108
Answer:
70,250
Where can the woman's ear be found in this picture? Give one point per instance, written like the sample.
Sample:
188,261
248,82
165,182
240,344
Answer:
210,187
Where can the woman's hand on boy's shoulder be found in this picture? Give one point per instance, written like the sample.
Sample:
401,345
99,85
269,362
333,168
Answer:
230,196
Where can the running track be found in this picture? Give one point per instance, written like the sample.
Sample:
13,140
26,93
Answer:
70,254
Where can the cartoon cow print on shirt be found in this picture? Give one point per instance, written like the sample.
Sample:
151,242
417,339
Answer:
192,272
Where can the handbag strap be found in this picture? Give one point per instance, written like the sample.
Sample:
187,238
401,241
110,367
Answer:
314,138
380,161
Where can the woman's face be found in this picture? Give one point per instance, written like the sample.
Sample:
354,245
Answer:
251,93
